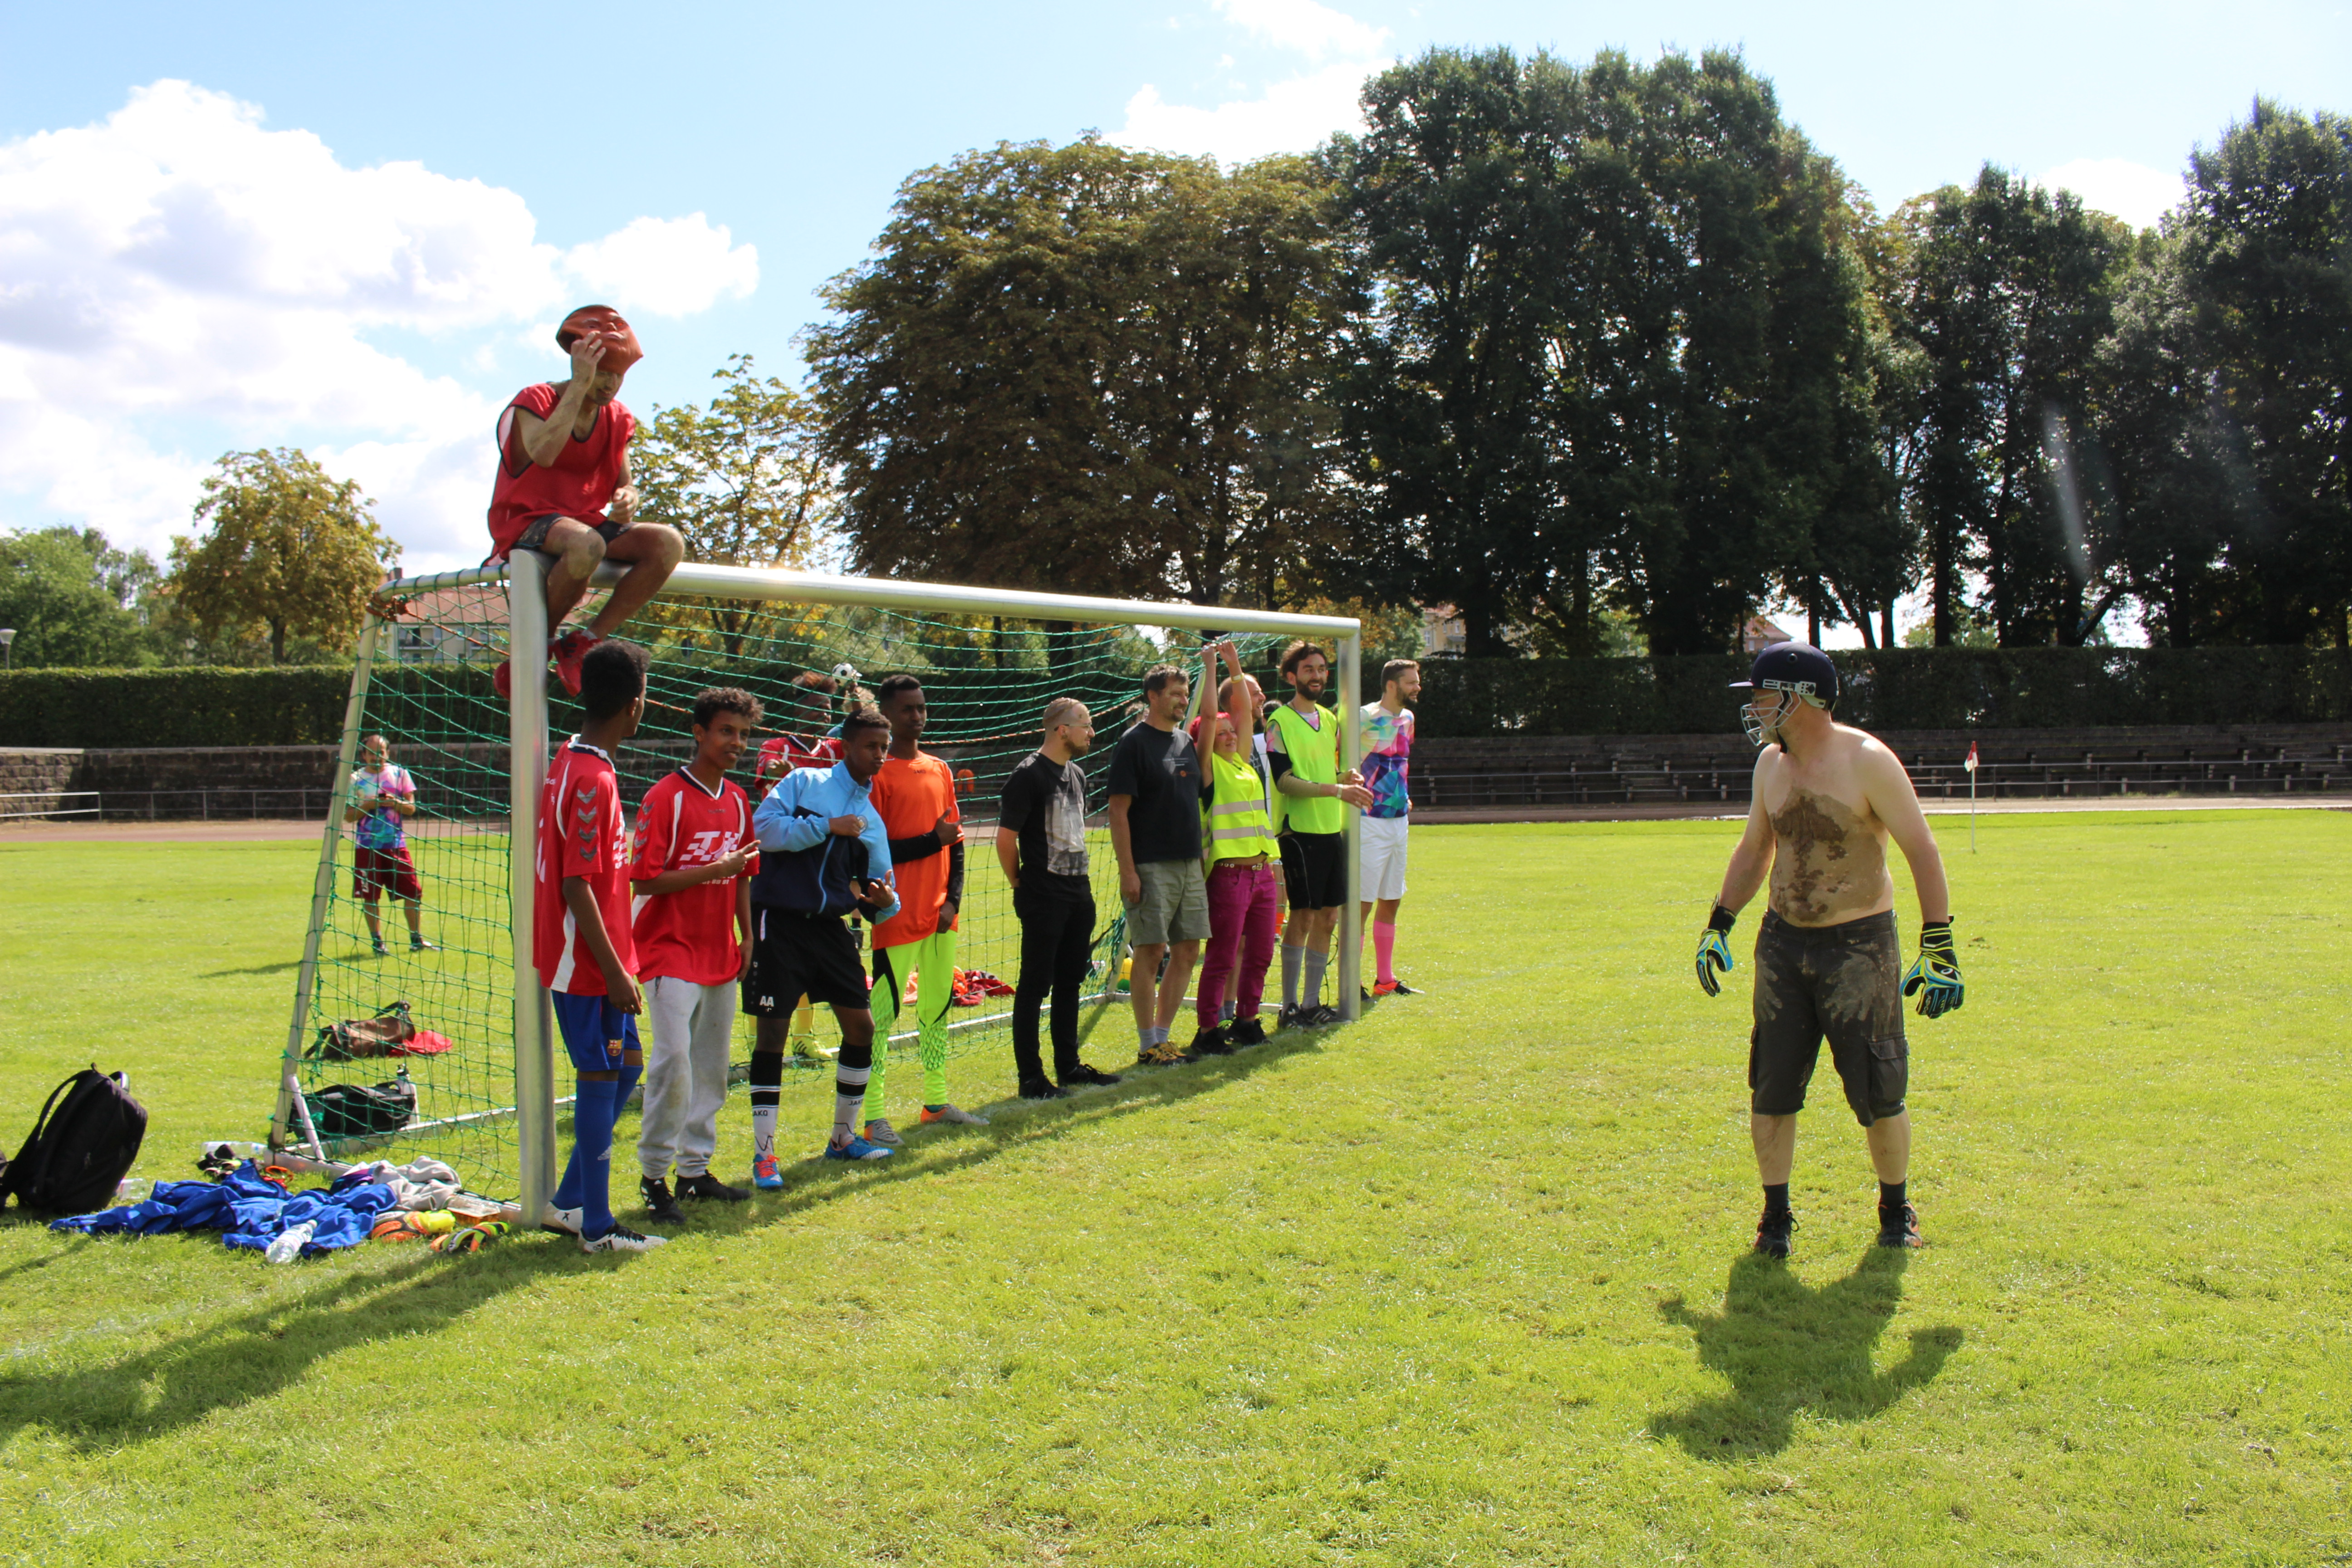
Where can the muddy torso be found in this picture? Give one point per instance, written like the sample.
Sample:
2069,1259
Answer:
1829,857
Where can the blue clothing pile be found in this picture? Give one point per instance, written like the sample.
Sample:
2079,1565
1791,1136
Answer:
250,1211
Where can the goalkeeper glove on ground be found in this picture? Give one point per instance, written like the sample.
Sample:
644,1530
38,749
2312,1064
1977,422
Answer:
1936,973
1714,952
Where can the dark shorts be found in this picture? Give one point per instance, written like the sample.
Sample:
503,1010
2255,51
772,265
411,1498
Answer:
1842,981
1315,869
796,955
590,1026
375,872
534,533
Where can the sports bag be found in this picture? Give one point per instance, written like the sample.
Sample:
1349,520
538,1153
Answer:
355,1039
87,1136
354,1111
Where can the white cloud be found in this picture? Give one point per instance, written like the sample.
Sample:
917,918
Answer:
176,279
1302,24
2132,191
670,266
1288,117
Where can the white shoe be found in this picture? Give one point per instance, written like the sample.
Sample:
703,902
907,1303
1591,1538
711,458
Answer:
621,1239
880,1131
953,1115
562,1221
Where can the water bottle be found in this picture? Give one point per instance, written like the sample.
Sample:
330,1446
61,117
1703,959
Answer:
288,1245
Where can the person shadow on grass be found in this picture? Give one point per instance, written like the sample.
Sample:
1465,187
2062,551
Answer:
240,1357
1787,1347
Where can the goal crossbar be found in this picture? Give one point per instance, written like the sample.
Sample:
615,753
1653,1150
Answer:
524,578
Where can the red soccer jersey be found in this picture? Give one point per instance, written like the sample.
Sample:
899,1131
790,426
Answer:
785,752
689,935
579,486
581,834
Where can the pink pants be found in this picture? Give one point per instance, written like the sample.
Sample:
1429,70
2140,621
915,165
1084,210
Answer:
1243,902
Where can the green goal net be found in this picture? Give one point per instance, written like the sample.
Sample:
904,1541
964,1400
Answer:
423,683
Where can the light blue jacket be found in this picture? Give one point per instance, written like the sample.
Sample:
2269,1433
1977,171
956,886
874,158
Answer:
803,865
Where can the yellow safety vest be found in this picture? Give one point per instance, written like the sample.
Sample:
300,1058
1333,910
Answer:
1234,824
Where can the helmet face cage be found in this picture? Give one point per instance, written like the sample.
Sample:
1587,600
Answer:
1764,732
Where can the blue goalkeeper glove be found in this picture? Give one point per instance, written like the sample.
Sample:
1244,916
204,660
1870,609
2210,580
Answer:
1936,973
1714,952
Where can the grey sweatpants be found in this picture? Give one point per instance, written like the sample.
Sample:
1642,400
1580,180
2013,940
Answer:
686,1074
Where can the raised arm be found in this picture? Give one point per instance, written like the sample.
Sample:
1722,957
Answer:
542,440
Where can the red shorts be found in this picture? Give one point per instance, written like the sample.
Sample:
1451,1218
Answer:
390,872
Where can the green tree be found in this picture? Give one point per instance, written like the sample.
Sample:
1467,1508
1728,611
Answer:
2012,295
741,480
1621,347
291,550
1085,367
2265,253
74,600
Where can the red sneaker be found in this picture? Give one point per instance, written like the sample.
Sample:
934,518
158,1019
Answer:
570,649
502,677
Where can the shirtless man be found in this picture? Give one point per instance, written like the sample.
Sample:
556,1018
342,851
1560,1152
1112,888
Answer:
1827,798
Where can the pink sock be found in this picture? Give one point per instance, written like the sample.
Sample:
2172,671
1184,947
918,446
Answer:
1384,947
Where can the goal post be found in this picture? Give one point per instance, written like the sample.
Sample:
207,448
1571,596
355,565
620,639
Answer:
433,707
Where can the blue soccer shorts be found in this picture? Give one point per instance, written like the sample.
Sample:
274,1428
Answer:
594,1031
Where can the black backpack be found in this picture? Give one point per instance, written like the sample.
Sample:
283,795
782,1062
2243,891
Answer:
352,1111
87,1136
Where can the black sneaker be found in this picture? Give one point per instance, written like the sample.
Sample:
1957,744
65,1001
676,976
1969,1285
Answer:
1248,1032
1210,1042
658,1202
707,1185
1292,1017
1042,1089
1772,1232
1898,1227
1322,1016
1083,1074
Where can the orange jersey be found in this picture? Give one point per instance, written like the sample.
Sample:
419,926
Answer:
910,795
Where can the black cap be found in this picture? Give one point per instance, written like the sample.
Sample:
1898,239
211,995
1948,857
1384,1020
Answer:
1797,667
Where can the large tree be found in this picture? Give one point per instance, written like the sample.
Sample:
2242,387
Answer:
291,550
741,479
2265,243
73,599
1621,335
2013,294
1087,368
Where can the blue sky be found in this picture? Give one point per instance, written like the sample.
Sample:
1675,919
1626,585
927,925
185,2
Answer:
353,231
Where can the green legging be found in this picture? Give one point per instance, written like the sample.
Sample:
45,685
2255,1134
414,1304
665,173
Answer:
932,958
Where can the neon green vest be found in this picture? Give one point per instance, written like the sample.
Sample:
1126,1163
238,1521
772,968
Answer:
1234,821
1314,752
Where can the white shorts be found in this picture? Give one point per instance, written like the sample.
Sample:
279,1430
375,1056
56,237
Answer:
1379,844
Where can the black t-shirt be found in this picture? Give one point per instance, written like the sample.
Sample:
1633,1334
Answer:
1045,804
1162,772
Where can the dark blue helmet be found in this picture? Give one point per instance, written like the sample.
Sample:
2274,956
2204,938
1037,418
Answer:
1800,669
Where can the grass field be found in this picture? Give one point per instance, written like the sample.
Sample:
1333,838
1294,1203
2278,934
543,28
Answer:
1468,1283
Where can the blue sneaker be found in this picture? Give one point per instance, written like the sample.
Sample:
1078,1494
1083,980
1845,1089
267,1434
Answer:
764,1174
856,1149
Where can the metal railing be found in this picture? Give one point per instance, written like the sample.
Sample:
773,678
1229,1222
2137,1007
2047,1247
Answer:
12,810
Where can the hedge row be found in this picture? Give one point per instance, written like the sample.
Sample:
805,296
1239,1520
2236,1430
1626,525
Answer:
1902,689
1906,688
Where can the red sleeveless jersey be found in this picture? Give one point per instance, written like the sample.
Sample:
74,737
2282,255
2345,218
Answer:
579,486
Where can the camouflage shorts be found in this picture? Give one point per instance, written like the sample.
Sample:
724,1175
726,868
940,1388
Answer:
1842,981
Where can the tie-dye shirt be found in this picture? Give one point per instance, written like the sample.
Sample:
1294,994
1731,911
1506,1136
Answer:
1388,753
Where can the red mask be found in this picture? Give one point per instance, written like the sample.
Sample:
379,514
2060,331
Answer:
621,350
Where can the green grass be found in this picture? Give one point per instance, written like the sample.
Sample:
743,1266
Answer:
1468,1283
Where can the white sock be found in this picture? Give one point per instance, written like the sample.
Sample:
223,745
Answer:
1313,990
763,1131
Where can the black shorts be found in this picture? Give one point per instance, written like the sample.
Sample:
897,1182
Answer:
1315,869
795,956
1842,981
534,533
